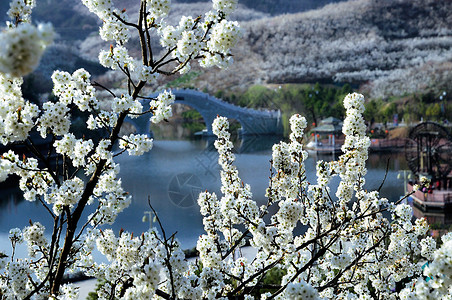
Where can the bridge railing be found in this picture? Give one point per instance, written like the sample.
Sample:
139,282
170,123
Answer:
191,92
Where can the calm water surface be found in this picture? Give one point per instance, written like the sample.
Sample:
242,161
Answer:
174,172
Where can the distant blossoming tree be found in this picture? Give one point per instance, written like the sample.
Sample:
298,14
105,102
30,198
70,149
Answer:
348,250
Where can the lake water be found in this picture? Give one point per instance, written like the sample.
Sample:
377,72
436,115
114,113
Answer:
174,172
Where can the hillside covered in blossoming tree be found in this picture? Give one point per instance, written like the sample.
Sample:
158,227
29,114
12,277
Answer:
386,48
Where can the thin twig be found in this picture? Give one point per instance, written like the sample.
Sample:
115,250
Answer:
105,88
386,174
124,22
168,250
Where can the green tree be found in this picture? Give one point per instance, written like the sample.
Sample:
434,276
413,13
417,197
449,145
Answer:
257,96
433,111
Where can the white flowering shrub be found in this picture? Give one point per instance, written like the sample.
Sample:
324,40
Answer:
347,249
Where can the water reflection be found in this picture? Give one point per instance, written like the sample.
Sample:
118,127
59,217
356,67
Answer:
247,143
15,211
10,196
436,217
174,172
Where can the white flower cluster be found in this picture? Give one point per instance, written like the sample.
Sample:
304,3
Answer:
211,38
34,236
355,147
236,205
6,165
301,290
127,103
112,28
224,36
117,57
68,292
70,89
440,273
147,74
158,8
428,246
225,6
361,240
189,44
21,9
287,159
161,108
16,114
75,149
18,286
104,119
22,47
55,118
75,88
286,187
136,144
141,259
15,236
216,59
186,39
33,181
122,104
68,194
403,211
110,195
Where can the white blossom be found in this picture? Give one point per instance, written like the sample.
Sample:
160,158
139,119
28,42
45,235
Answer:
158,8
21,9
225,6
224,36
161,107
22,47
136,144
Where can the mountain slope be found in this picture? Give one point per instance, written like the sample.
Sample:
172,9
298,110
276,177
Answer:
277,7
361,41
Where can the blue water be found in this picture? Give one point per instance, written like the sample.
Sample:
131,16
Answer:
173,173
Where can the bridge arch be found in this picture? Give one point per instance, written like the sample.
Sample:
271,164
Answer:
253,122
183,104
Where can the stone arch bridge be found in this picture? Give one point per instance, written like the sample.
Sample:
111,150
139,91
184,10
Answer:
253,122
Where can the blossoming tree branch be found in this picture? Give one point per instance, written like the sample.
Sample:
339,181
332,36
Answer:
347,251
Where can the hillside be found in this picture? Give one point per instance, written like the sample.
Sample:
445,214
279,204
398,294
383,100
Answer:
385,47
277,7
